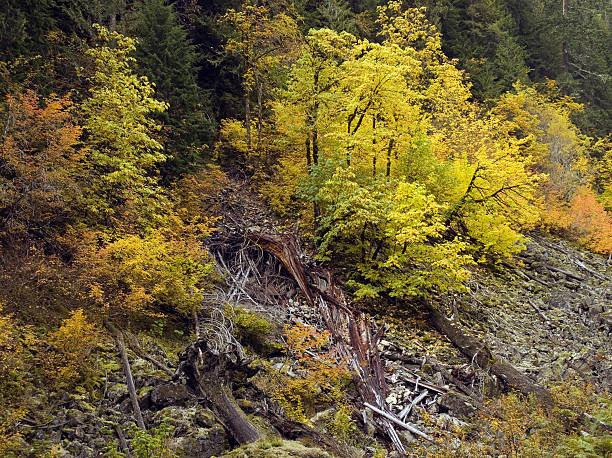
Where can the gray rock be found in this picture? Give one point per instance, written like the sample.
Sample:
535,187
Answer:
457,404
169,394
202,443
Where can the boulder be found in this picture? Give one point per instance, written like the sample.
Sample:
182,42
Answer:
202,443
169,394
457,404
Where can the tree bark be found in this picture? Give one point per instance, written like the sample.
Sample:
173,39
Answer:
209,374
259,111
565,44
478,351
128,373
247,118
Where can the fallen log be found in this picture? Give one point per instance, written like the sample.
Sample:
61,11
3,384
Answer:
350,331
209,374
477,397
418,382
398,422
478,351
406,410
118,335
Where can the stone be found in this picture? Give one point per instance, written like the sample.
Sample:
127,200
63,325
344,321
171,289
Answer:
202,443
457,404
169,394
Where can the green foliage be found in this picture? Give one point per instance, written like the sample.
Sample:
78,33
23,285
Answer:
122,151
390,232
251,328
153,443
165,54
406,175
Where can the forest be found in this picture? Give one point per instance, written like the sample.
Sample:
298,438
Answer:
305,228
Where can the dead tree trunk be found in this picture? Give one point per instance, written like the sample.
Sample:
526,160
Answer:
209,372
478,351
350,331
118,335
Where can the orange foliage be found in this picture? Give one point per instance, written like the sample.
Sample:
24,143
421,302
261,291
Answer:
324,375
39,161
583,217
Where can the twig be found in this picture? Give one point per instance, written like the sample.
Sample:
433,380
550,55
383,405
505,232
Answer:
128,373
546,320
136,348
589,270
122,442
398,422
418,382
406,410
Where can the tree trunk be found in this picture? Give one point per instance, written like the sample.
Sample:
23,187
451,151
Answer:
210,374
565,44
259,111
128,373
389,150
247,118
479,352
222,400
374,144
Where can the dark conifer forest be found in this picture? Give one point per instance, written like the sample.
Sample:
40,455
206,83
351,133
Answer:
305,228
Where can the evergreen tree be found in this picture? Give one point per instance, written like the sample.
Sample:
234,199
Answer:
168,58
336,15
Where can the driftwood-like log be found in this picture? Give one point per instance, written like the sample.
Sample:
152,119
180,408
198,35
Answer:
136,348
478,351
398,422
476,397
210,374
118,335
122,442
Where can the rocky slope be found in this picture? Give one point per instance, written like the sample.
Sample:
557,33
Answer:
547,312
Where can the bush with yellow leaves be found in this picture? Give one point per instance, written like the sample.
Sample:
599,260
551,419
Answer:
325,377
67,361
14,383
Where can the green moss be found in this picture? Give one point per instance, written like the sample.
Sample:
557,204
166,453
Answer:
275,447
252,329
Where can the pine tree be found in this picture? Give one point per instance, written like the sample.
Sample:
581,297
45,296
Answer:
167,57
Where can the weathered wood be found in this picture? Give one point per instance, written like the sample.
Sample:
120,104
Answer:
350,331
596,274
118,335
564,272
478,351
477,397
406,410
209,375
136,348
429,386
122,442
539,312
587,418
398,422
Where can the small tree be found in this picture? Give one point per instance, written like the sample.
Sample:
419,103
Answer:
122,151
